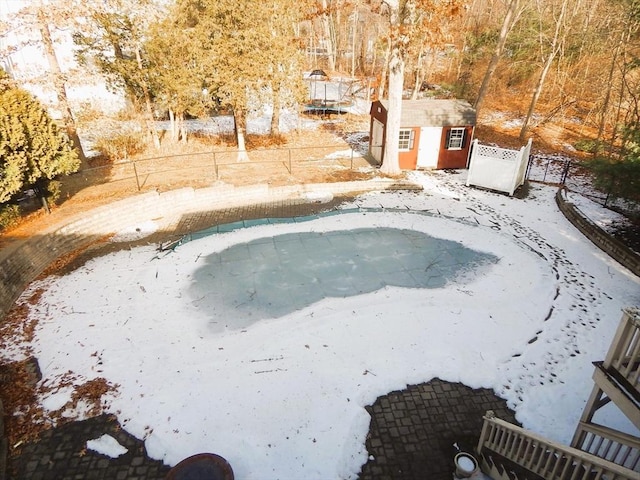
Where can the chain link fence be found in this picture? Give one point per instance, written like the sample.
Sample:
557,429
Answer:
200,169
577,177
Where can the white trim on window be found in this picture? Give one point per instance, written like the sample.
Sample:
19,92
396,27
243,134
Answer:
405,140
455,139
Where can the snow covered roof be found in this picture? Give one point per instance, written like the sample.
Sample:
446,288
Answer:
435,113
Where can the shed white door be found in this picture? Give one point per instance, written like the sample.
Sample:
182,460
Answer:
429,147
376,140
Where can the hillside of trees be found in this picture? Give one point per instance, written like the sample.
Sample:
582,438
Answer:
572,64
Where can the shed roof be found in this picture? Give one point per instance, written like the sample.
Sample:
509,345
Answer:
435,113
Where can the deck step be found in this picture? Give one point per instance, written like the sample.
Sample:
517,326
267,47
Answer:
625,396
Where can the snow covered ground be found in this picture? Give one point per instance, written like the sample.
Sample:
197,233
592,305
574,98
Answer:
282,395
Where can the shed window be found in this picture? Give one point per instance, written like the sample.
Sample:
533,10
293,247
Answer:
405,142
455,139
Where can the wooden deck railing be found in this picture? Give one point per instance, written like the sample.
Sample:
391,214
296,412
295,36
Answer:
614,446
624,355
616,379
545,458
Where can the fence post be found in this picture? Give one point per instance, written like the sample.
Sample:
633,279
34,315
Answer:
135,171
565,172
544,179
484,433
471,162
215,165
515,179
529,162
609,190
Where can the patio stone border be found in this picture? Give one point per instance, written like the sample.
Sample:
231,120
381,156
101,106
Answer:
612,246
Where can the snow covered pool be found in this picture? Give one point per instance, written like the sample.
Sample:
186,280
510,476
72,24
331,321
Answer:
273,276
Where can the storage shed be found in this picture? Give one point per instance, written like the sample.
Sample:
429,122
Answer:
433,133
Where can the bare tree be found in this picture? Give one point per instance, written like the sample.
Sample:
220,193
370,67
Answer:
385,68
239,51
283,60
621,70
327,14
400,13
110,39
561,29
405,18
42,17
59,83
511,17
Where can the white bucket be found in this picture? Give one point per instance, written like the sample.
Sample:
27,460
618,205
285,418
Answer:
466,465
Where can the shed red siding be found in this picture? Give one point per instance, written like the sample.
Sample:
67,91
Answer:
455,158
409,158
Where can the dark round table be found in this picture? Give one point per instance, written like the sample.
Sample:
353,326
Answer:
203,466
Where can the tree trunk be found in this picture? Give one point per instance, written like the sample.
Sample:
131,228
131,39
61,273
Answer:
329,35
172,126
418,77
624,63
620,49
553,51
60,88
364,38
147,100
183,135
275,116
353,43
535,97
607,95
385,69
337,38
390,160
508,22
40,189
374,59
240,122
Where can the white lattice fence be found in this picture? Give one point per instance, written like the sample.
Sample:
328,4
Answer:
498,168
488,151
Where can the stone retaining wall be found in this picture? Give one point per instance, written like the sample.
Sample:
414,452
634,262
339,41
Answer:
616,250
22,262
